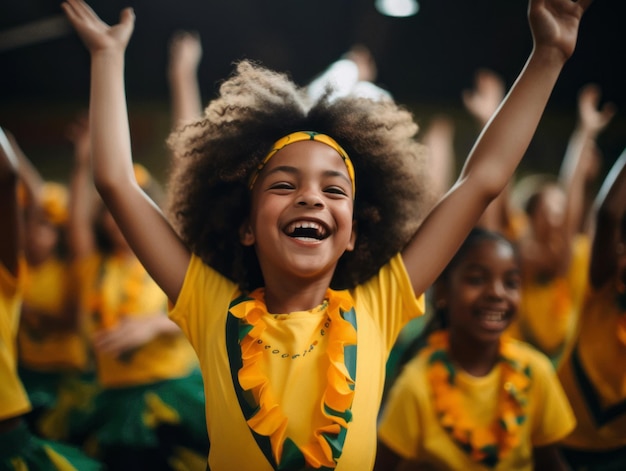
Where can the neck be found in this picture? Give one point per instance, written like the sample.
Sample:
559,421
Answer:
475,357
283,298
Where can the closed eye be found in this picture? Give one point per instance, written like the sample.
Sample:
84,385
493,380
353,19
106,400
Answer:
335,190
281,186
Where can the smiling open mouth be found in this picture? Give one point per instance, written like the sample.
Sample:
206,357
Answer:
306,230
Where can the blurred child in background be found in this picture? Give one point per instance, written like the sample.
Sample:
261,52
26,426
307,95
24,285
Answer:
593,371
20,449
52,349
470,398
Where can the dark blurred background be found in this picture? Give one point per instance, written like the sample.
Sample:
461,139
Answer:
425,61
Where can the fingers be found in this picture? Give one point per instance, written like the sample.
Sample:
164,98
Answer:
105,341
127,16
608,111
584,4
78,11
589,109
113,342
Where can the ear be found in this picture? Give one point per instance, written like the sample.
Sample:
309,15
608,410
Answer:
352,241
246,236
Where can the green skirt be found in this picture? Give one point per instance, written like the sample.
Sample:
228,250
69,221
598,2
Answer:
161,424
21,450
57,398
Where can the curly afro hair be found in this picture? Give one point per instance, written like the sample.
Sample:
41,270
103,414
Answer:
208,194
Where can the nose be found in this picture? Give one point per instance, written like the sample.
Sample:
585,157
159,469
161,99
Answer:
309,197
496,289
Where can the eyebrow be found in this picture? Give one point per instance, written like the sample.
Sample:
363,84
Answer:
296,171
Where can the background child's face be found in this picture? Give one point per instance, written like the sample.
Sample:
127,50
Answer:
41,234
483,291
550,211
302,208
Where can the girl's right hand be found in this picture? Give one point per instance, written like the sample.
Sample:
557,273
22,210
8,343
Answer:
96,34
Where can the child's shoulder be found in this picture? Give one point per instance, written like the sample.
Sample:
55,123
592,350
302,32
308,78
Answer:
527,355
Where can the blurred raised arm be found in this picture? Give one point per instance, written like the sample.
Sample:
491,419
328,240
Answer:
610,214
185,53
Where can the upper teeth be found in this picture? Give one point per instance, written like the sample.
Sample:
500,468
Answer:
493,315
305,225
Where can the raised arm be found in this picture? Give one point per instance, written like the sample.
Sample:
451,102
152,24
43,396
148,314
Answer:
610,209
10,237
481,102
185,53
439,139
502,143
581,152
81,237
144,226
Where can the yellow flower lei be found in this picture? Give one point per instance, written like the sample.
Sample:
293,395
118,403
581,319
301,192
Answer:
269,419
488,444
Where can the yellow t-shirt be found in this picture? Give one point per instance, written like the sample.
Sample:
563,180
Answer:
594,375
409,424
47,289
13,397
383,306
549,311
119,287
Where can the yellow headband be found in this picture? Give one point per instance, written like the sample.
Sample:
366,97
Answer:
305,136
54,199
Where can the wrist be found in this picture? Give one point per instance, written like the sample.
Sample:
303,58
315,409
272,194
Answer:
549,56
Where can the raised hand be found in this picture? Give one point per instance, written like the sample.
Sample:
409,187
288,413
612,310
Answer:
78,133
185,53
554,24
96,34
487,94
592,118
365,62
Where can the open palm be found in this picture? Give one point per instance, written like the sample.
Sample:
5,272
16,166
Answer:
95,33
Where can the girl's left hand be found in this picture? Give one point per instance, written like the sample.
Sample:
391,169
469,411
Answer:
554,23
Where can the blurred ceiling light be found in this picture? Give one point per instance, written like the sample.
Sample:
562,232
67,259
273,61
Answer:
397,8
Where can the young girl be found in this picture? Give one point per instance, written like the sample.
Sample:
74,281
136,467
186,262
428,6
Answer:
470,400
593,372
296,256
19,447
